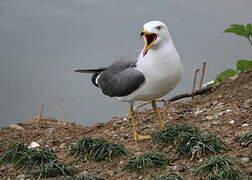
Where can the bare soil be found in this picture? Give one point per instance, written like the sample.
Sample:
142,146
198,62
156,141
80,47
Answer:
226,111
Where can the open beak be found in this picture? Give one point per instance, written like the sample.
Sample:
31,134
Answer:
149,40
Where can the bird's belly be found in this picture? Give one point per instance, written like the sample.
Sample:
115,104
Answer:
154,88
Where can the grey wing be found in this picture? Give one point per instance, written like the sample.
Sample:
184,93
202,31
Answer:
121,78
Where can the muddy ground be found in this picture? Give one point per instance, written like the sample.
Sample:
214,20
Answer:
226,111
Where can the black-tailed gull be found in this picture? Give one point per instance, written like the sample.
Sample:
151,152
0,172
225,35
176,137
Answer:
149,75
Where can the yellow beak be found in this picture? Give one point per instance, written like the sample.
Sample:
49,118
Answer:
149,40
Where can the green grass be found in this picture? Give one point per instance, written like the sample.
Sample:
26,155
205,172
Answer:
97,149
189,142
198,145
85,177
245,140
229,174
166,176
13,154
26,159
143,162
175,133
215,165
34,158
54,169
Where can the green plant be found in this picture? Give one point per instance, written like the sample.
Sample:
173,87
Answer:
34,158
13,154
97,149
246,139
241,65
215,165
166,176
229,174
85,176
198,145
53,169
188,141
175,133
241,30
26,159
145,161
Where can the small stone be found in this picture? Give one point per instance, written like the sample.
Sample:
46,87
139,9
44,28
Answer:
16,126
245,125
228,110
245,159
140,177
33,145
178,168
121,162
20,177
231,122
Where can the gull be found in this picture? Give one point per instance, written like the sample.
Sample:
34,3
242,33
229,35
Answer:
146,76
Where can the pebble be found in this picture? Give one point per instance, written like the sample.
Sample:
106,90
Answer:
33,145
20,177
245,159
178,168
231,122
245,125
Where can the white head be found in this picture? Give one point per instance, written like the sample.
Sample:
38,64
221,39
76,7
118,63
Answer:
155,33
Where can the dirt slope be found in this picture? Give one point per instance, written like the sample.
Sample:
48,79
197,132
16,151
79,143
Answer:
226,112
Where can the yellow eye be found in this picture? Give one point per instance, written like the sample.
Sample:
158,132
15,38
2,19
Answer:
158,28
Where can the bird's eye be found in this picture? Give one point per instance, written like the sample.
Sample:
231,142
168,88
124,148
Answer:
158,28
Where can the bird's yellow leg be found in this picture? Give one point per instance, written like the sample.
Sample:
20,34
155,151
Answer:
160,122
132,118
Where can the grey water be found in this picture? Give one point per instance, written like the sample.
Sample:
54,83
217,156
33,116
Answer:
43,41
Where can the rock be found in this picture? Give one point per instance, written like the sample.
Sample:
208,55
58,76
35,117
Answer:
20,177
245,125
33,145
245,159
121,162
178,168
16,126
231,122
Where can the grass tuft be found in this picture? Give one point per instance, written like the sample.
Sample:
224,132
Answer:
34,158
189,142
13,154
166,176
85,176
175,133
145,161
53,169
198,145
229,174
26,159
97,149
215,165
245,140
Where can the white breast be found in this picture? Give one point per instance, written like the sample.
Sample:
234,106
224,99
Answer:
162,70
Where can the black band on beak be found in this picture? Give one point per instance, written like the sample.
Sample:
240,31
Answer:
141,34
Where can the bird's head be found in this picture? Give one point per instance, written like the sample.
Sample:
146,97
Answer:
154,33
